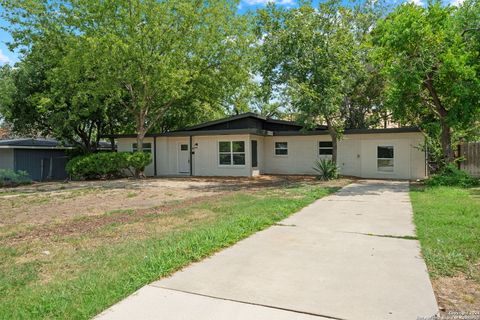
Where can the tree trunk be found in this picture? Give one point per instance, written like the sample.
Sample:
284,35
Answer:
446,141
141,131
446,131
334,147
333,135
112,144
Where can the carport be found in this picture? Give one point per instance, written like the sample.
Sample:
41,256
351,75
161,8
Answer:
43,159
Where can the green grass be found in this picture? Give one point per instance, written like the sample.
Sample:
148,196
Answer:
83,282
448,226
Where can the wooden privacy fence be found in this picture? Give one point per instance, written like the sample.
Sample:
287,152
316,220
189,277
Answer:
470,151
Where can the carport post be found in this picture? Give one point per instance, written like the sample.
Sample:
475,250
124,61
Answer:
191,156
50,171
155,156
41,169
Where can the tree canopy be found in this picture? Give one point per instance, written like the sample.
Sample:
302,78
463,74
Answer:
318,59
146,61
432,68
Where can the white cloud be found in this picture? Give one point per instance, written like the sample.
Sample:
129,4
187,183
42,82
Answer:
417,2
264,2
3,58
456,3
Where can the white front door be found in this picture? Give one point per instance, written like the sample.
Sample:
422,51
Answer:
183,158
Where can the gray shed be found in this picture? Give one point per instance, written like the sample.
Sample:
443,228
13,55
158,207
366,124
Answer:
43,159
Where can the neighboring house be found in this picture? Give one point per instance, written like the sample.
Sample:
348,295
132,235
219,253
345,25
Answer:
249,145
43,159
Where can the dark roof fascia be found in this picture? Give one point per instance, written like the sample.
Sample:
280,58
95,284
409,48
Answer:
248,115
44,144
263,132
299,133
241,116
187,133
36,147
33,143
258,132
292,123
385,130
349,131
128,135
227,119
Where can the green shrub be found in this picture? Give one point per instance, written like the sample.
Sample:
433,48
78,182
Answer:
452,176
10,178
106,165
139,160
327,169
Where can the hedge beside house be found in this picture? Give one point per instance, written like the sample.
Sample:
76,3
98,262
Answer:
107,165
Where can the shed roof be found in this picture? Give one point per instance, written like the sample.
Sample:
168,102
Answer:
32,142
41,143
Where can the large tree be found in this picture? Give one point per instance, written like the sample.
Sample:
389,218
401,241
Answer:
44,100
431,69
158,60
363,105
49,96
162,54
308,54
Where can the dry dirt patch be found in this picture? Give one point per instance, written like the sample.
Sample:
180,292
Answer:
57,202
457,293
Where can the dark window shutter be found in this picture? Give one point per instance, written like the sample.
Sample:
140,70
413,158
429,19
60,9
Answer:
254,154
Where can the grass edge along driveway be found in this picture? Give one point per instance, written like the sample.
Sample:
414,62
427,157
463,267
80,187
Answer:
447,220
110,273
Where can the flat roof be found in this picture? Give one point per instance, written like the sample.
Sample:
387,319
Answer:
41,143
33,143
195,133
350,131
262,132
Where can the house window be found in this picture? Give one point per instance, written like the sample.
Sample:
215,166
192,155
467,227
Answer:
385,158
231,153
147,147
281,148
325,148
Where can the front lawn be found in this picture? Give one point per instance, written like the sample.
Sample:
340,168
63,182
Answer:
448,227
76,269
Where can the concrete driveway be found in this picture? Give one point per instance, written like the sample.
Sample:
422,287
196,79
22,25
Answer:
347,256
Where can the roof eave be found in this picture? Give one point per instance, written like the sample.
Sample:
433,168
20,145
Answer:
196,133
35,147
350,131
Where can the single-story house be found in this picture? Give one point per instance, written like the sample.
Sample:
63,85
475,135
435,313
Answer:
249,145
43,159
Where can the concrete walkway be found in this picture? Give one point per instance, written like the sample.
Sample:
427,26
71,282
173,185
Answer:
346,256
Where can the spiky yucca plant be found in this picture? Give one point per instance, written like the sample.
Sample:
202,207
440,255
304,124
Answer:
326,168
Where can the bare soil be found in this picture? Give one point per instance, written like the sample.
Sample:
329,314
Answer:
457,294
57,202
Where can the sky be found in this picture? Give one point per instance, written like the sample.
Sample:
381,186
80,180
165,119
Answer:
6,56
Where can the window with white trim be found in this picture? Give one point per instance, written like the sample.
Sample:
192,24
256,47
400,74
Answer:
147,147
281,148
231,153
325,148
385,158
